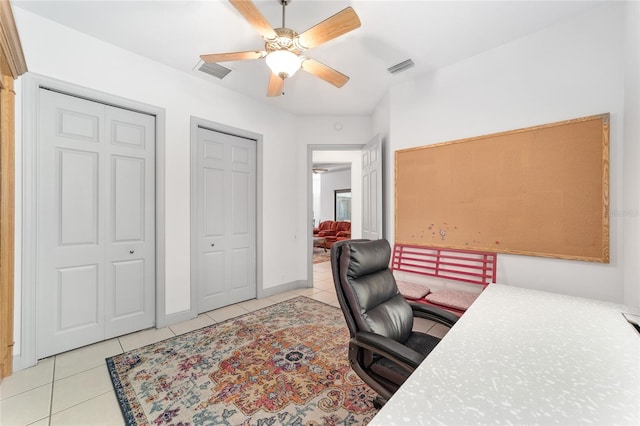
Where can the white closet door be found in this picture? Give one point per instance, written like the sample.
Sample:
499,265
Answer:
225,270
130,222
86,214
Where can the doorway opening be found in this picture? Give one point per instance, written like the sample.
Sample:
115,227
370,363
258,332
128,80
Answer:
331,168
366,190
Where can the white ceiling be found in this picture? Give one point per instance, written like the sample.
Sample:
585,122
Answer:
433,34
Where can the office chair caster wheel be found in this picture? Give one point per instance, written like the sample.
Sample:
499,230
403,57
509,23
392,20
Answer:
379,402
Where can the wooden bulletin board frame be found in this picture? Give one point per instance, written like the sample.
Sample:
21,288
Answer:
538,191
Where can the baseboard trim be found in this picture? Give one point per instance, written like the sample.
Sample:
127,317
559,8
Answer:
18,364
293,285
175,318
178,317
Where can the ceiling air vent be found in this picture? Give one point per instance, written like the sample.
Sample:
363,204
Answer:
399,67
215,70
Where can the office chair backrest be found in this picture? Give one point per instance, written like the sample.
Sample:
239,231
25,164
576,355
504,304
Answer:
367,288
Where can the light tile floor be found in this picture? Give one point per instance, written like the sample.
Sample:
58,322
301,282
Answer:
74,388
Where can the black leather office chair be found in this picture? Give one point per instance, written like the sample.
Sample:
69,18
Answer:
383,350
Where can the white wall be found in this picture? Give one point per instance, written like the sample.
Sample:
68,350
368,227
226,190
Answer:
333,130
317,206
630,214
61,53
330,182
568,70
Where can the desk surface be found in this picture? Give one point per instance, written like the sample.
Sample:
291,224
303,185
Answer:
521,356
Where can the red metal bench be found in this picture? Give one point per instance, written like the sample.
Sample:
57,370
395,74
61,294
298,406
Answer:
461,266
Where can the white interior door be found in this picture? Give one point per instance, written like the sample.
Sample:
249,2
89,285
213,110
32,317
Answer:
95,222
225,229
372,189
130,222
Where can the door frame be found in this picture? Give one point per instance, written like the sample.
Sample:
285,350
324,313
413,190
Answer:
379,207
310,150
31,85
197,122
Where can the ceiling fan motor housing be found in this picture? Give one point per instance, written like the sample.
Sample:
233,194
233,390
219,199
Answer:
286,40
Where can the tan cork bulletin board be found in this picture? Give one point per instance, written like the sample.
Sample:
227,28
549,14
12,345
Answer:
539,191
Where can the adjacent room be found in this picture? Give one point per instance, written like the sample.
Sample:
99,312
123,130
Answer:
336,199
203,203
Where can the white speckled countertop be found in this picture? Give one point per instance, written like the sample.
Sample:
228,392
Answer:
521,356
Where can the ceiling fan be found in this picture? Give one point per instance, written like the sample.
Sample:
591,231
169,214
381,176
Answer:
283,49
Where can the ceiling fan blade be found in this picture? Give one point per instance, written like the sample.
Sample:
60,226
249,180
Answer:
276,84
255,18
324,72
340,23
233,56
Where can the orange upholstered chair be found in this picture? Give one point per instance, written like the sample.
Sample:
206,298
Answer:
324,228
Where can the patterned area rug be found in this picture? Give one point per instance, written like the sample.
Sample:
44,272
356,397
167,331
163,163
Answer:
282,365
320,255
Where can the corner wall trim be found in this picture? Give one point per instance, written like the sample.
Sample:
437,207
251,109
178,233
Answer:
293,285
175,318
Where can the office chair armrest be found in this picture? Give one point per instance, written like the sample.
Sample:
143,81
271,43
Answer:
388,348
421,310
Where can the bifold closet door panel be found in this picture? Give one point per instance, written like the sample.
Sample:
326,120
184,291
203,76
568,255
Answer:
129,222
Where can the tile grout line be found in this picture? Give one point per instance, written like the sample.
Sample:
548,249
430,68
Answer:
80,403
53,380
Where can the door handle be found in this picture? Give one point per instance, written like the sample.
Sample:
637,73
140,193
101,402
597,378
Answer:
131,251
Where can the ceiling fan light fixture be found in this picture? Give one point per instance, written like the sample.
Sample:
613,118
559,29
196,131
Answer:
283,63
283,48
